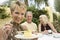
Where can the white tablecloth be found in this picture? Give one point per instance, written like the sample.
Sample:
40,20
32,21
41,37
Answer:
48,37
45,37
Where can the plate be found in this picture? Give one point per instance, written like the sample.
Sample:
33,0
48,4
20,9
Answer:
18,36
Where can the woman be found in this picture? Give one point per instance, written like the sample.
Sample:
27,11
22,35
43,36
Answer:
45,25
5,31
18,10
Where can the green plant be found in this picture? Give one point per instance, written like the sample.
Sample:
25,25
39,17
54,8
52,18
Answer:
57,23
3,13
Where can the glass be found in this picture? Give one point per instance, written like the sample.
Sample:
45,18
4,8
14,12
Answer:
49,31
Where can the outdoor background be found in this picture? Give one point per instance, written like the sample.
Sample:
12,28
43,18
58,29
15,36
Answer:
51,8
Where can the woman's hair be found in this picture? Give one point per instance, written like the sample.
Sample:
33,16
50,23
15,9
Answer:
17,5
44,17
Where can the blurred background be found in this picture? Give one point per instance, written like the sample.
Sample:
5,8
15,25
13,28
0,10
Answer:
51,8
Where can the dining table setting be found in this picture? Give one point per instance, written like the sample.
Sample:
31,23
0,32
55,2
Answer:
27,35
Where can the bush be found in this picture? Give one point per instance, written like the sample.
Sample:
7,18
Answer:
3,13
57,25
54,17
56,22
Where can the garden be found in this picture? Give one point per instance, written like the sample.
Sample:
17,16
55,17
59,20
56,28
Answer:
5,16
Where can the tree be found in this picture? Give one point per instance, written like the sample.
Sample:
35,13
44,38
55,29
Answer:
7,3
3,13
26,2
42,1
57,5
46,2
39,1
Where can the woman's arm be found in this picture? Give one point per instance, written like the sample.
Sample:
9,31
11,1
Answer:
52,27
7,28
5,31
39,28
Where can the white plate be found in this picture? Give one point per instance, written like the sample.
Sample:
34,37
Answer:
23,37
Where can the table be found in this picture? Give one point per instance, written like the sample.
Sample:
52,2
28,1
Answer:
42,37
26,38
48,37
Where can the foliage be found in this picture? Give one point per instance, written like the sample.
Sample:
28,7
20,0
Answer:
26,2
39,1
54,17
59,19
57,5
8,2
3,13
57,25
56,22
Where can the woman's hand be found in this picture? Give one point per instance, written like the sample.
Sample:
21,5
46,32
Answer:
5,31
7,28
45,32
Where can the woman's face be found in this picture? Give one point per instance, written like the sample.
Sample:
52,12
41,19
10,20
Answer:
18,15
43,19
